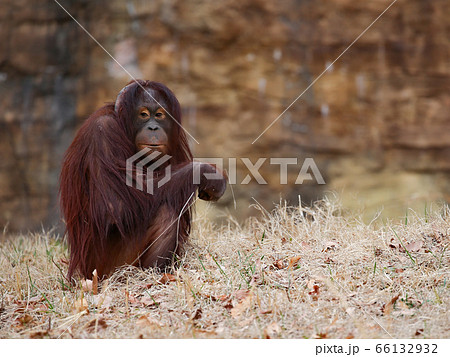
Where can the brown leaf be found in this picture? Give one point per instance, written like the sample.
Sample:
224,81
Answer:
321,335
272,330
293,261
226,303
25,319
279,264
197,314
167,278
419,332
96,324
315,290
38,334
146,286
387,309
146,321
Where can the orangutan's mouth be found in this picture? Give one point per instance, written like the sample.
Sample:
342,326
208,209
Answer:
151,146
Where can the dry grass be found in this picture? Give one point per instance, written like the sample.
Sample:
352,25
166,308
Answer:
294,273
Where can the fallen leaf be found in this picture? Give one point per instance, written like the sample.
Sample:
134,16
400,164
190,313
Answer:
279,264
25,319
227,304
167,278
146,321
315,290
419,332
387,309
38,334
96,324
319,335
272,330
293,261
146,286
196,314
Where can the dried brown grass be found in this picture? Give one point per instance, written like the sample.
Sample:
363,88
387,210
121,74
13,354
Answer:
294,273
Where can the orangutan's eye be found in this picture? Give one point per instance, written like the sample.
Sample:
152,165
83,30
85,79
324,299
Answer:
144,114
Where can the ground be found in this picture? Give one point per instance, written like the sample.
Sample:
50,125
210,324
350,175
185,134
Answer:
292,273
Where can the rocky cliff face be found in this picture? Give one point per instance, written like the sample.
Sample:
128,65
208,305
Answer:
376,123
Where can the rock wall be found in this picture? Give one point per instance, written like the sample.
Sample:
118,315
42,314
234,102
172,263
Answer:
376,123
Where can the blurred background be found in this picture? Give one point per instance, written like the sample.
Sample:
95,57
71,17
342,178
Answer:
377,123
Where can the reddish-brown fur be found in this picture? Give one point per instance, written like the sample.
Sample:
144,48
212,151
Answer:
110,224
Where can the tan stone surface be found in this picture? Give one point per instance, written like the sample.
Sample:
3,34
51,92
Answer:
377,123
